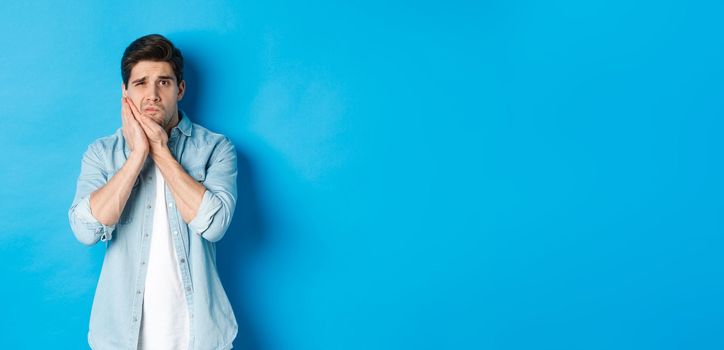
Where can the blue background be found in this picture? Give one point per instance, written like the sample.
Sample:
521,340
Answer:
431,175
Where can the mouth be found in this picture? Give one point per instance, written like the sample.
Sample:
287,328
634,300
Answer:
151,110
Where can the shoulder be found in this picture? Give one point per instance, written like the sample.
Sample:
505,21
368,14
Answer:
202,137
109,143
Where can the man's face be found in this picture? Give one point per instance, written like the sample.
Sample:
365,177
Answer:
153,89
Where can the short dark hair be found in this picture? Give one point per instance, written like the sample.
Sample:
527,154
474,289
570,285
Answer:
152,47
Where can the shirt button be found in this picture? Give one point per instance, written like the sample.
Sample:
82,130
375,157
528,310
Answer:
170,205
149,206
135,319
175,232
183,260
150,177
143,263
146,235
138,292
188,289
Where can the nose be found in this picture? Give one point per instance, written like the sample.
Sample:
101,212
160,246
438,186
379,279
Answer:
153,95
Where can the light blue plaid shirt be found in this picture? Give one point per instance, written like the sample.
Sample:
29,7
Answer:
209,158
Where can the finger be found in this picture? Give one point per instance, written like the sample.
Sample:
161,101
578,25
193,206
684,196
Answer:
128,126
126,111
133,125
130,117
133,108
144,125
152,125
124,121
146,121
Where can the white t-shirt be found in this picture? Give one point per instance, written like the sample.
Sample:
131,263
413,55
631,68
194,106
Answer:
164,322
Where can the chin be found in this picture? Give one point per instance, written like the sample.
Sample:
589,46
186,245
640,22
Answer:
155,118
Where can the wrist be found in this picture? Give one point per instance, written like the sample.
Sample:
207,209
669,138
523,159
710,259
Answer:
159,151
138,156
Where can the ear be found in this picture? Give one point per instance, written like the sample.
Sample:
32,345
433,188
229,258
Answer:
181,90
124,91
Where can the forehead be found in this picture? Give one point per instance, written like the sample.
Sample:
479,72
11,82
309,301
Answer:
151,69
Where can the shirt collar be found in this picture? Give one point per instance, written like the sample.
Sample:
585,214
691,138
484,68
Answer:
184,124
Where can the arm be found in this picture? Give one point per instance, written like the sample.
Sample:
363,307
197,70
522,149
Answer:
107,202
185,190
99,202
212,216
207,208
87,229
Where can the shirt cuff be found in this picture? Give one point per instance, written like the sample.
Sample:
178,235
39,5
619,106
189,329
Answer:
84,214
210,204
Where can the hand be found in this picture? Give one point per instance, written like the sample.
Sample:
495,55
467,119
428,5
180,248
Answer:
132,130
155,134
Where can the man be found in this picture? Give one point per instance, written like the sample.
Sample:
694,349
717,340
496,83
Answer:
159,192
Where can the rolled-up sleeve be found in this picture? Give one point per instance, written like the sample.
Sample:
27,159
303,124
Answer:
217,206
86,228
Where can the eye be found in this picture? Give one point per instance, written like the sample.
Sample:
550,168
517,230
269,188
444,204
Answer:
163,82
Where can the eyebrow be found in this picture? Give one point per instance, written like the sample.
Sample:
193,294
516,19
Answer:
160,77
